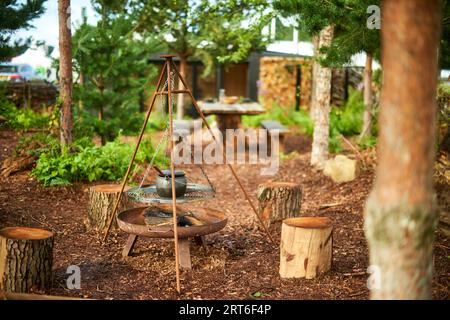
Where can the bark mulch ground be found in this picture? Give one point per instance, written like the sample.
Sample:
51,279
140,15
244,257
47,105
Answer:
238,261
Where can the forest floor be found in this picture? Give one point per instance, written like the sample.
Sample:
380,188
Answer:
238,262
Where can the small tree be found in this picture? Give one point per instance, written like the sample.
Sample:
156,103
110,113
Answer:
65,72
113,67
316,18
206,29
355,32
15,15
400,215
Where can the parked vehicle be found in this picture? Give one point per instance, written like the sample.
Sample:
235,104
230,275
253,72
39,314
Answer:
17,72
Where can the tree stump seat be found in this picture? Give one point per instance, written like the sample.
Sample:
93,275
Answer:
102,199
306,247
26,257
278,201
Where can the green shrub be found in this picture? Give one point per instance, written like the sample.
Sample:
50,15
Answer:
368,142
288,117
348,119
87,162
334,143
22,119
37,144
443,99
88,125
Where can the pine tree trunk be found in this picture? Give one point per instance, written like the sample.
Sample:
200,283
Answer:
26,257
278,201
81,103
180,100
65,61
368,98
319,153
315,41
306,247
102,199
400,215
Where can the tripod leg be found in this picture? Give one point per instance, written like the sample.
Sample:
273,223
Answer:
129,245
125,179
247,197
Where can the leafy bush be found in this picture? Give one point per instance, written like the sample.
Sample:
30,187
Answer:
22,119
443,98
348,119
91,163
37,144
88,125
368,142
299,119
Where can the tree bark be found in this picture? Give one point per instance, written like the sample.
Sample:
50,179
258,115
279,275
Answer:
400,215
65,61
368,98
319,153
278,201
315,41
180,97
81,103
102,199
306,247
26,256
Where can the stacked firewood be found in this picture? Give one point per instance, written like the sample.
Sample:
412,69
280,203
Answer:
278,77
32,94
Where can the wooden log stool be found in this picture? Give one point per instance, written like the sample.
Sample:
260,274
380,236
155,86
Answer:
26,257
278,201
102,199
306,247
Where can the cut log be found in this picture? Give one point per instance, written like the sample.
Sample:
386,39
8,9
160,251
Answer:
306,247
13,165
278,201
102,199
26,257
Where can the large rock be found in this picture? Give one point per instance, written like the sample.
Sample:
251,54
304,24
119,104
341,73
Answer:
341,169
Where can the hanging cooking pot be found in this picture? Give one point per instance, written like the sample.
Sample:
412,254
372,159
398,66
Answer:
164,184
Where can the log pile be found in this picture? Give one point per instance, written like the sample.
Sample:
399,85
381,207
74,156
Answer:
26,257
32,94
306,247
278,79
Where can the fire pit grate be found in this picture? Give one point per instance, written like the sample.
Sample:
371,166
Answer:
148,194
192,222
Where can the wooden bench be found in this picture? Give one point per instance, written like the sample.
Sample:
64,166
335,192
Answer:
274,126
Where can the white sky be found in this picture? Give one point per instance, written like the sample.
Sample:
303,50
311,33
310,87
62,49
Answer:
46,28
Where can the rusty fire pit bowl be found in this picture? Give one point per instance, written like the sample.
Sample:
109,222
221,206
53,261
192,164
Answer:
133,221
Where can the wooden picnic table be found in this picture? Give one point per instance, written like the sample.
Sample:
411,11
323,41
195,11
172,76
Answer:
229,115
